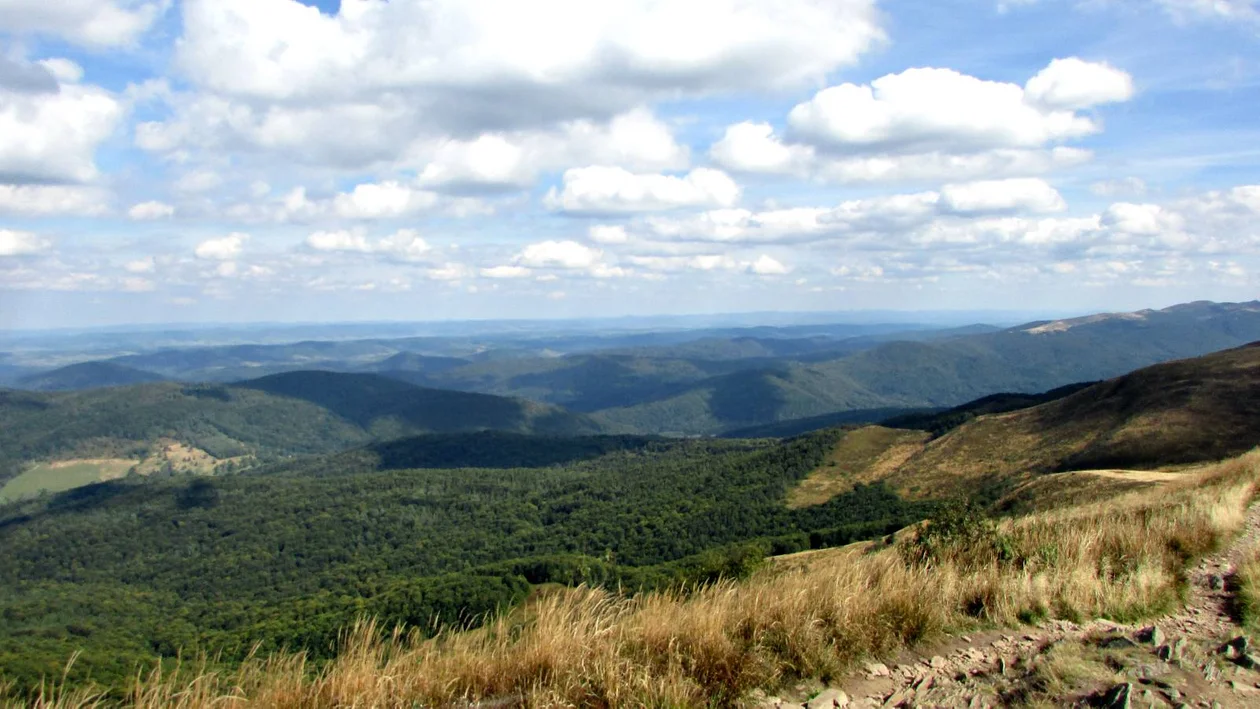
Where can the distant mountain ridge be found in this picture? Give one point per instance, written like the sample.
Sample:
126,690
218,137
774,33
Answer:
88,375
1030,358
720,381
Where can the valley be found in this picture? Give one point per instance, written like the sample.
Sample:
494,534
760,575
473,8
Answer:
264,517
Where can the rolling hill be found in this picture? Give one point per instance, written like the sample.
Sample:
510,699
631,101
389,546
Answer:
286,414
1173,414
88,375
947,372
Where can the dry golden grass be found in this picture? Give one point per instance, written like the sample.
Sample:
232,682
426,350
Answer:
1122,558
182,459
1246,584
865,455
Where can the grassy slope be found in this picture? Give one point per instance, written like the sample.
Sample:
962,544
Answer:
862,456
1124,559
1172,414
57,477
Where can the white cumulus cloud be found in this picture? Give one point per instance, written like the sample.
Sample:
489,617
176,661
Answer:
283,49
21,243
382,201
52,200
931,123
97,23
753,147
147,211
1024,195
768,266
559,254
339,241
920,110
611,189
52,136
608,234
1074,84
505,272
226,248
402,245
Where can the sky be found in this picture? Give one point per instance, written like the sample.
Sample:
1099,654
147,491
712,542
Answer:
335,160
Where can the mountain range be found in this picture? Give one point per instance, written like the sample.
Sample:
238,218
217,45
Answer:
723,381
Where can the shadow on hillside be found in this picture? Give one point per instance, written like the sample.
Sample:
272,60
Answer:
76,501
366,398
500,450
747,398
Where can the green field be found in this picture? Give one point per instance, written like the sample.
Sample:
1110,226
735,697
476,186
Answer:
66,475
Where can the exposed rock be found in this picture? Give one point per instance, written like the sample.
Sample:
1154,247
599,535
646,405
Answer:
829,699
1116,642
1249,661
899,698
938,663
877,669
1179,649
1118,697
1152,635
1151,670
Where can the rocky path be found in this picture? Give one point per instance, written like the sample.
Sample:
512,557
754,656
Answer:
1196,657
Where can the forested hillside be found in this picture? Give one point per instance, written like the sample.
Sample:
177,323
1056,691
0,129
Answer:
950,371
88,375
286,557
288,414
711,382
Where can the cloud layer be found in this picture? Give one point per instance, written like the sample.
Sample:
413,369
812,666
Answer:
488,157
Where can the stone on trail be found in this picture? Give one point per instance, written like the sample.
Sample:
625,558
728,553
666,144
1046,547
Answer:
829,699
899,698
877,669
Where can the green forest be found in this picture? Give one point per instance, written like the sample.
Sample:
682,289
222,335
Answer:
427,531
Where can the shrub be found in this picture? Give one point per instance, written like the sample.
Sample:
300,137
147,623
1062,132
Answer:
961,534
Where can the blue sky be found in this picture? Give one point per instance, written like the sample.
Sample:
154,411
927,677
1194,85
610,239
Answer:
259,160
